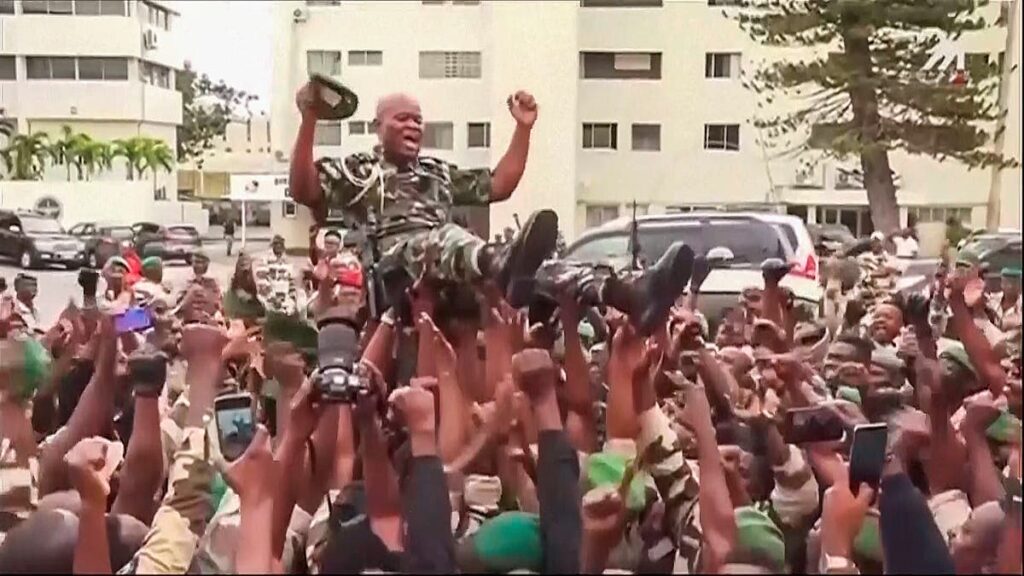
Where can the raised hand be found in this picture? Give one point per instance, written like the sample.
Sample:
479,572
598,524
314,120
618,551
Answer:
305,411
523,107
534,373
842,514
774,270
90,465
981,411
604,515
309,102
255,475
415,405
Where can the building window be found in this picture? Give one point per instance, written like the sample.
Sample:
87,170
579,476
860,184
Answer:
647,137
155,74
601,136
365,58
620,65
359,128
289,209
450,65
721,136
621,3
935,214
723,2
323,2
722,65
100,8
439,135
325,62
478,135
6,6
598,215
154,15
102,68
327,133
8,69
49,68
59,7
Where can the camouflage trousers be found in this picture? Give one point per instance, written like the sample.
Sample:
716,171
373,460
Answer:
454,251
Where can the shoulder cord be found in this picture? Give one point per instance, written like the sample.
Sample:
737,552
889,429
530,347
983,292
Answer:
376,175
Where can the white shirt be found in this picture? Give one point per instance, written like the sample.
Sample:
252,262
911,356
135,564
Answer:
906,247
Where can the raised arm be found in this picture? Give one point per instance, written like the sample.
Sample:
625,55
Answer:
510,168
303,179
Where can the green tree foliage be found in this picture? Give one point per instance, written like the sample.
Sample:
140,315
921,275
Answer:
865,93
26,155
207,109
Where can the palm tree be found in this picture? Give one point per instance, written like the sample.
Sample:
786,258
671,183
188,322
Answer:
132,150
25,155
65,151
157,156
93,156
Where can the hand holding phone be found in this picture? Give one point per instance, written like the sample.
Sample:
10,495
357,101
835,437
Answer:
813,424
88,280
867,455
135,319
236,424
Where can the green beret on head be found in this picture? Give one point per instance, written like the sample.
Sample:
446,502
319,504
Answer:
509,541
37,367
607,469
957,354
1005,429
758,536
850,394
1011,272
152,262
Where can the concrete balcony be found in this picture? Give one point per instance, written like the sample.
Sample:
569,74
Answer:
126,100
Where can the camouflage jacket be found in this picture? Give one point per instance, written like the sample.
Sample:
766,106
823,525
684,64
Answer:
403,200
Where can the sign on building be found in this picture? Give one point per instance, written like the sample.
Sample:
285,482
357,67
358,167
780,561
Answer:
259,188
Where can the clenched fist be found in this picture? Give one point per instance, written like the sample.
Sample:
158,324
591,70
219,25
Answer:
523,108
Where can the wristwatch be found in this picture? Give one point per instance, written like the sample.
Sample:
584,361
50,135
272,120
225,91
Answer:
832,564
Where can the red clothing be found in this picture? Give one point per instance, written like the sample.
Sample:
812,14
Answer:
134,267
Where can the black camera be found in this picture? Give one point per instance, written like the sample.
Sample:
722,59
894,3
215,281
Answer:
337,379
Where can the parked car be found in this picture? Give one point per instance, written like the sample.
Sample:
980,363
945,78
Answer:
994,251
36,240
150,239
102,240
834,237
806,258
749,236
181,242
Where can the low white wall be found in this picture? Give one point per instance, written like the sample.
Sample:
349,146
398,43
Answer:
114,202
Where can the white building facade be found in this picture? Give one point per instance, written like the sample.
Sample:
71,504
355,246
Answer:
640,100
105,68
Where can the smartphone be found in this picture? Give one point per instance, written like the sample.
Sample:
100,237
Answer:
867,455
880,404
133,320
236,424
812,424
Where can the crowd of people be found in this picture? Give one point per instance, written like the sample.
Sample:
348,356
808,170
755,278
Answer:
590,422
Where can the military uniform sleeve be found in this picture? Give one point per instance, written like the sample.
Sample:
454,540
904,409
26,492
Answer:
339,191
470,187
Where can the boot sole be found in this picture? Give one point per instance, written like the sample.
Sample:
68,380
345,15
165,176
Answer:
668,288
540,234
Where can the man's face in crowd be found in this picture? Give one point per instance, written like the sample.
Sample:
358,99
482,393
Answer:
400,127
27,291
331,246
886,323
200,266
154,273
973,546
277,248
839,353
876,246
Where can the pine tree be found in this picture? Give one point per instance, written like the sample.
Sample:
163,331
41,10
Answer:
865,91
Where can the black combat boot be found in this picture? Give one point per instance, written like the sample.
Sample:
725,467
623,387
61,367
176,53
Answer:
648,298
514,266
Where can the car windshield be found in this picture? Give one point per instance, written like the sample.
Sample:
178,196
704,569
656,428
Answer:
41,225
182,232
751,243
120,233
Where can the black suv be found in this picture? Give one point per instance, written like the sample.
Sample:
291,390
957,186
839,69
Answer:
34,240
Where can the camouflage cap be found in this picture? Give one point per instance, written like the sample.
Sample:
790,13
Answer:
342,101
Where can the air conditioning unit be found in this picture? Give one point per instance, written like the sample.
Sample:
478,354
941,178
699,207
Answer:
300,14
150,40
808,177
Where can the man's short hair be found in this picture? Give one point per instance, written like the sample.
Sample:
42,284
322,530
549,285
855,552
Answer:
22,279
277,239
862,346
332,234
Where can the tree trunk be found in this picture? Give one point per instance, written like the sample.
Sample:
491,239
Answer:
874,157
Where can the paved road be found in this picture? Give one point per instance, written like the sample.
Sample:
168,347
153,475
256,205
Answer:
57,285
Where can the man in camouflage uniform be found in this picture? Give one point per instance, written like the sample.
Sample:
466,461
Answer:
410,197
276,281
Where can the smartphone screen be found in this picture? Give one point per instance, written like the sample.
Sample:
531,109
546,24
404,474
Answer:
235,424
814,424
133,320
867,455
